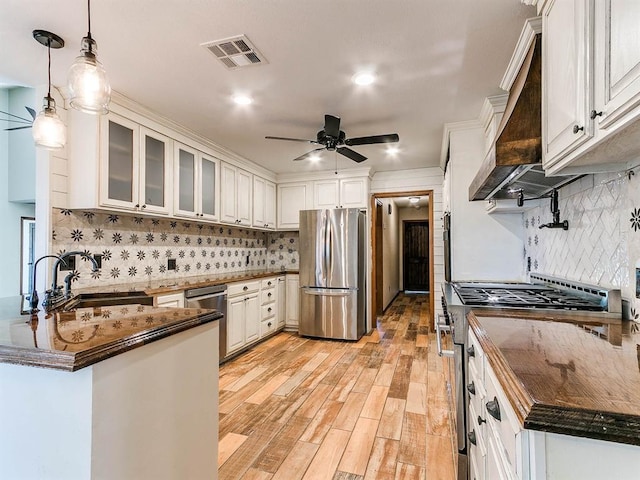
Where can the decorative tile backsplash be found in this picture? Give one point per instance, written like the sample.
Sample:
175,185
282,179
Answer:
602,245
137,248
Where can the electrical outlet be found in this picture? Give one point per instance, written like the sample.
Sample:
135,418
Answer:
171,264
98,259
69,264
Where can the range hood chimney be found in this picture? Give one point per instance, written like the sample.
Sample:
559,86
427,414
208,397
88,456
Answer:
518,144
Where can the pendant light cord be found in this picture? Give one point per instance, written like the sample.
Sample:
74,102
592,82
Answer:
89,17
49,67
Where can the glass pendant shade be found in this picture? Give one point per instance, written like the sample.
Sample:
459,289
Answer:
88,84
48,130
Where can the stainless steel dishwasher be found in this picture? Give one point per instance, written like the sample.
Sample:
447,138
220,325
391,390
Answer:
214,298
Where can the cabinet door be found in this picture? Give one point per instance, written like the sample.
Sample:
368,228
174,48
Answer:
120,157
185,181
326,194
252,317
228,193
244,196
209,171
155,165
235,323
258,202
269,204
353,193
617,59
291,199
281,293
175,300
566,78
293,302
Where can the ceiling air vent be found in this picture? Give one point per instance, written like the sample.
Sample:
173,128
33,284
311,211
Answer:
235,52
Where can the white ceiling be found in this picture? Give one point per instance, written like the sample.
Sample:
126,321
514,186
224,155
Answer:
435,60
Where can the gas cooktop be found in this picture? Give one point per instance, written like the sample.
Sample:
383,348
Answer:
524,295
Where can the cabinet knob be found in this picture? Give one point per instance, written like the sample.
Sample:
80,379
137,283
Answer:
269,294
472,437
595,114
269,309
144,206
137,205
481,420
269,283
494,408
471,388
269,324
245,288
577,128
471,351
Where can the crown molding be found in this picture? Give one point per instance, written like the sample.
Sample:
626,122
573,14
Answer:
532,27
446,134
324,175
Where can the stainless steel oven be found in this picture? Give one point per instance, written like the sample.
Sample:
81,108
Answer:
544,293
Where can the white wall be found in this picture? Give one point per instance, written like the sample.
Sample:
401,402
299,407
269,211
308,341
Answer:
22,151
10,213
390,236
483,246
407,213
429,178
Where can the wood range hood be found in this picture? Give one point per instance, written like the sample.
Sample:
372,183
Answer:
514,161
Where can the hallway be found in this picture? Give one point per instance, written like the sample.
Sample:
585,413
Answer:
296,408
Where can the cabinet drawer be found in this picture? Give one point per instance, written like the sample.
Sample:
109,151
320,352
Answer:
242,287
495,466
267,326
505,429
475,355
476,464
268,282
268,311
478,428
268,296
475,384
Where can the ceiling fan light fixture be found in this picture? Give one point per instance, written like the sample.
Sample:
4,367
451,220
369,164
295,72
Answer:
364,78
48,130
89,88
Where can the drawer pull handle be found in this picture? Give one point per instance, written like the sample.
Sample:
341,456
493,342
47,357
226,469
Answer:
494,408
471,388
471,351
481,420
472,437
245,288
577,128
595,114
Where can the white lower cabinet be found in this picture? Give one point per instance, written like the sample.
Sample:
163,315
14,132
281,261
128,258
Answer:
292,302
281,295
243,314
268,309
174,300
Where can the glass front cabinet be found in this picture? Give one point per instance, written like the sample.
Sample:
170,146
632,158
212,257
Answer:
135,166
196,184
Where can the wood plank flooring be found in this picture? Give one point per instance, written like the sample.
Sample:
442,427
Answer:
294,408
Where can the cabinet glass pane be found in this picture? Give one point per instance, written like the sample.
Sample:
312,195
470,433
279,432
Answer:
120,162
186,181
208,187
154,172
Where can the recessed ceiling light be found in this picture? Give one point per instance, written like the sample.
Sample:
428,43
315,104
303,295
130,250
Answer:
392,150
414,199
242,100
363,78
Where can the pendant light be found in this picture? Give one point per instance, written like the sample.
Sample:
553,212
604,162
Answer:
89,89
48,130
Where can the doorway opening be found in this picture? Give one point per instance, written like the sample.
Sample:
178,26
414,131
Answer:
402,247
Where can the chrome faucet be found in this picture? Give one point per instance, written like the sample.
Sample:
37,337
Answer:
55,296
33,296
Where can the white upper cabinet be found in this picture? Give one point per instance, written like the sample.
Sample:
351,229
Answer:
196,188
134,165
237,194
264,203
566,77
591,85
292,197
343,193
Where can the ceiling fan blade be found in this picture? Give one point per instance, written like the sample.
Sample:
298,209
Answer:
332,126
14,116
307,155
31,111
17,128
292,139
352,154
390,138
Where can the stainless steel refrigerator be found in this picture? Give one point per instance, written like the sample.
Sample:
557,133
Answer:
332,273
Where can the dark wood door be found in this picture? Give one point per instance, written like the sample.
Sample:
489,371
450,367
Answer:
416,255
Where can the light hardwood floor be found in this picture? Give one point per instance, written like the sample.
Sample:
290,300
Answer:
297,408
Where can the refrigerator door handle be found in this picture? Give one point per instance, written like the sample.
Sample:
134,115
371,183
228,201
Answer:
341,292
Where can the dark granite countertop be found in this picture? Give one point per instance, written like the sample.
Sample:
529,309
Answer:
70,340
566,374
159,287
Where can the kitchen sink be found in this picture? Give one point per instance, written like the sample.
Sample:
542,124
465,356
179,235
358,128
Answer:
89,300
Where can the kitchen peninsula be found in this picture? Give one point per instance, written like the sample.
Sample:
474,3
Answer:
129,411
